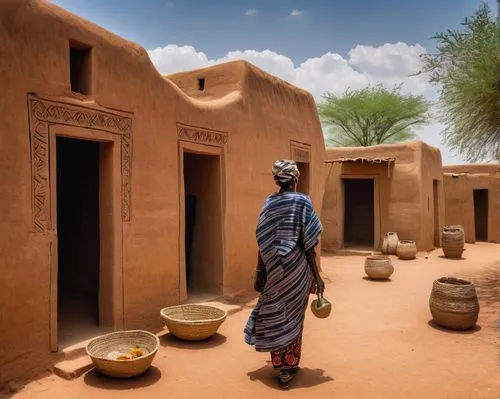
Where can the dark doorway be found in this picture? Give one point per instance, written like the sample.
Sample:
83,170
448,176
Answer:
435,199
203,223
303,184
78,239
481,214
359,213
190,223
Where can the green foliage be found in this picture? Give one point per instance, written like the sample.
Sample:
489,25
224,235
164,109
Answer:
370,116
467,69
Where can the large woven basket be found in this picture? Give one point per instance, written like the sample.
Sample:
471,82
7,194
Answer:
406,250
193,322
452,241
453,303
100,350
378,267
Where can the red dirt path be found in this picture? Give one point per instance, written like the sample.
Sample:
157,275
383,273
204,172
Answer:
377,343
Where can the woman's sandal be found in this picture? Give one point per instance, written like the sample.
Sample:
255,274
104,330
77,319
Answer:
285,377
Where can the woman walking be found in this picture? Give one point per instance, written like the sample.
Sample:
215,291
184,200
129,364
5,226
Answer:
287,234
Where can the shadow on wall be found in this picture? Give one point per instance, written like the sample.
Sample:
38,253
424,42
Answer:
305,378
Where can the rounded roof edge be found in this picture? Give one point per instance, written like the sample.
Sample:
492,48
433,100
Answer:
45,9
239,68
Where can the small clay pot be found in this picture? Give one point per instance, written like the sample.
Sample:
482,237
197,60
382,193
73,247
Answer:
390,243
321,307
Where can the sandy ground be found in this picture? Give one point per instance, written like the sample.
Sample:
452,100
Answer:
378,343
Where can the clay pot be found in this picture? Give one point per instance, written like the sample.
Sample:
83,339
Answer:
321,307
453,303
452,241
406,250
390,243
378,267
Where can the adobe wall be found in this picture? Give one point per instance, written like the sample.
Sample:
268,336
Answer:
459,183
277,114
138,111
404,201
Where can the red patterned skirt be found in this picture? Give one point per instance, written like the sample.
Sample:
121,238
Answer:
288,357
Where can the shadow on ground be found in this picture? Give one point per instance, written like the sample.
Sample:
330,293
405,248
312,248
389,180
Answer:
372,280
173,341
436,326
96,380
452,259
487,284
305,378
14,387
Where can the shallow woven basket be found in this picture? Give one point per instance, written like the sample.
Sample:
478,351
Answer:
406,250
193,322
123,341
378,267
453,303
452,241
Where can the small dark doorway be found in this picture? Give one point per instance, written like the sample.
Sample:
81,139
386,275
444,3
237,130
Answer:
303,185
78,239
435,199
359,212
203,223
80,68
481,214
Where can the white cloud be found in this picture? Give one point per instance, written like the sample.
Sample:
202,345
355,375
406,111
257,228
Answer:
296,13
389,64
173,58
249,13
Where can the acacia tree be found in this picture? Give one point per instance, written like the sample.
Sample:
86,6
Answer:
467,69
373,115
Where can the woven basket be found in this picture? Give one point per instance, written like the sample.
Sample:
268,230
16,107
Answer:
378,267
406,250
193,322
452,241
100,348
453,303
390,243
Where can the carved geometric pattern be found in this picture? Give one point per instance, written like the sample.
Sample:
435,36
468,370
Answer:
43,113
40,173
126,176
73,115
200,135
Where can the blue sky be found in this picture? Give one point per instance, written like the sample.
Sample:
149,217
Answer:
218,26
319,45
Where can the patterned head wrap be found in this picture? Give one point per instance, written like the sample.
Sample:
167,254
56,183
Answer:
285,171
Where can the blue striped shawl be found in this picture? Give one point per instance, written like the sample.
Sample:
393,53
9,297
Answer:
287,228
